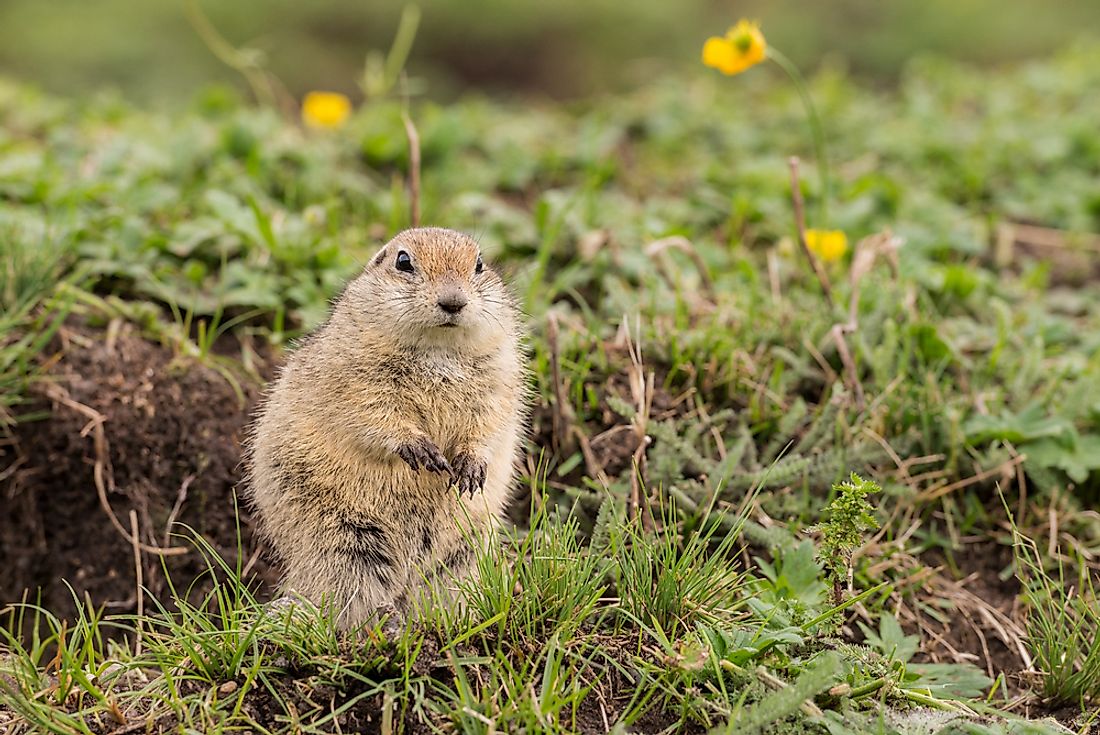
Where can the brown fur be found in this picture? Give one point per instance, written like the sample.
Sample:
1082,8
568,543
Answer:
374,391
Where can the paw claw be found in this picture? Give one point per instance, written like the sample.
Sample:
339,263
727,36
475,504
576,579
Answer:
470,472
423,453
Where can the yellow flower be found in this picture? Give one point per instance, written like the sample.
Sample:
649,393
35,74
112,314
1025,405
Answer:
743,46
325,109
829,245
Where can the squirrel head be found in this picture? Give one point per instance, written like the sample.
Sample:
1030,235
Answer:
429,286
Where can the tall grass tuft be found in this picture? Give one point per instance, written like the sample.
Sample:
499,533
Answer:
538,585
1063,625
671,580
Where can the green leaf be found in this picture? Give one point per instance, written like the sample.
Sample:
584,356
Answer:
818,675
947,681
891,640
739,646
239,217
929,344
1078,458
795,575
1028,425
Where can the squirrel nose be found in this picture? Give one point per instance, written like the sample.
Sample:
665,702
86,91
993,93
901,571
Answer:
452,303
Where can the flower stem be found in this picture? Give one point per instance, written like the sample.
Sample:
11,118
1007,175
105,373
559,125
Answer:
816,131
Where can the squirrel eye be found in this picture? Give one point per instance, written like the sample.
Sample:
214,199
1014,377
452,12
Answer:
404,262
480,266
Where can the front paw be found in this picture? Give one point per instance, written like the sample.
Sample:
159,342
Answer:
469,474
424,453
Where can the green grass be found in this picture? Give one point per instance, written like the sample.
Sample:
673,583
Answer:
653,230
28,315
1064,625
537,648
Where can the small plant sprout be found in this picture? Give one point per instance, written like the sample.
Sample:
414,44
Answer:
847,517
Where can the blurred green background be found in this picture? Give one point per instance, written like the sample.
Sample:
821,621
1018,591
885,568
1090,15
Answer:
148,50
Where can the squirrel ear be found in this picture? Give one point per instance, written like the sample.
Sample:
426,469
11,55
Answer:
379,257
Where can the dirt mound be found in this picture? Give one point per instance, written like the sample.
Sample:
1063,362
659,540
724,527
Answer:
133,433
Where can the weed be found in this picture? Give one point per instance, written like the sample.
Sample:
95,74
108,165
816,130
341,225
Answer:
847,517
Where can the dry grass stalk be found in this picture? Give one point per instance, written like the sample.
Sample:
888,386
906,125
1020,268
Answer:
414,168
641,391
139,582
657,248
414,154
800,221
562,418
1006,470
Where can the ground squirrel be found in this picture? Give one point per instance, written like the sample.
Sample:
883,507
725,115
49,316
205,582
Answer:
393,430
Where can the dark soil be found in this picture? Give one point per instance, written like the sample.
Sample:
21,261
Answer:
980,570
172,429
969,631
